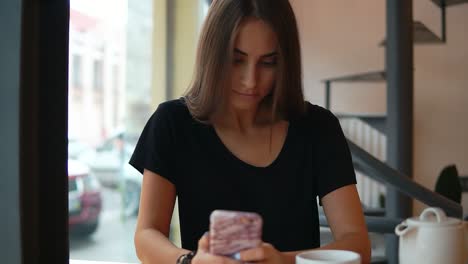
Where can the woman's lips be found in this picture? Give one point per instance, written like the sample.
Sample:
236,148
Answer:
245,94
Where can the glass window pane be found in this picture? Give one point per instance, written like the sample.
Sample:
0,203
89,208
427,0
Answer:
97,75
118,76
77,78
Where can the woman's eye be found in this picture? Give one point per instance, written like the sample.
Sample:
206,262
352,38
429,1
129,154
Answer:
238,61
269,63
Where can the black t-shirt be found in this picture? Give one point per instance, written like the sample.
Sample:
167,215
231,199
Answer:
314,161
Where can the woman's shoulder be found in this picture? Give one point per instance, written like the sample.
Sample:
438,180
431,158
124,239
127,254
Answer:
173,106
176,114
315,113
175,109
318,123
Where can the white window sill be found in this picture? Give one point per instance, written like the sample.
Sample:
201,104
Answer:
72,261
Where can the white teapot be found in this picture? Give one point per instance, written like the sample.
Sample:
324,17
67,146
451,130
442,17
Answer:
433,238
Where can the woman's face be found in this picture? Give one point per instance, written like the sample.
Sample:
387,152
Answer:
254,64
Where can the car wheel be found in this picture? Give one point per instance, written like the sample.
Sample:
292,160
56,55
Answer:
131,199
84,230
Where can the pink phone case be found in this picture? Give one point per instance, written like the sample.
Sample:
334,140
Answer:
233,231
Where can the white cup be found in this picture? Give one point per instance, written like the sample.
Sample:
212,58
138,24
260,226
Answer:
328,256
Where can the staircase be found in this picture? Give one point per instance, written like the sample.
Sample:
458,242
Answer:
367,138
374,142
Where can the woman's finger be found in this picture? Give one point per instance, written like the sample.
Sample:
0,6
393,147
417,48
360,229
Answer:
204,243
203,255
259,253
207,258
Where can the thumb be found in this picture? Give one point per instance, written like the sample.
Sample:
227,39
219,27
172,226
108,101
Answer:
204,243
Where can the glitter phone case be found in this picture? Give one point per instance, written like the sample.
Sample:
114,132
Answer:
234,231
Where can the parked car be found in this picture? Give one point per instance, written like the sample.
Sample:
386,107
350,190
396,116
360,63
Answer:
84,199
109,163
107,160
77,148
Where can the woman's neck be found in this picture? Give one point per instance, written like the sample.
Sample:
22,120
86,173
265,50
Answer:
239,120
244,121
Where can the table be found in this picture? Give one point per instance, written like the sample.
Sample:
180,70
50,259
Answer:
74,261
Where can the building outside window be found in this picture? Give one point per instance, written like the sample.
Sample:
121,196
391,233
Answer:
118,76
77,71
98,79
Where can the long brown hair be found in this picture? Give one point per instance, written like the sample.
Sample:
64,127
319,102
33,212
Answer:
206,93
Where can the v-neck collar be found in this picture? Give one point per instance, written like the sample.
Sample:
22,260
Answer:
237,161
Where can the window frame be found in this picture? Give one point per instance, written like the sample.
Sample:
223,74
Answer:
43,105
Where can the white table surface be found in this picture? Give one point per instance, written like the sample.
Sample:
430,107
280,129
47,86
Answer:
74,261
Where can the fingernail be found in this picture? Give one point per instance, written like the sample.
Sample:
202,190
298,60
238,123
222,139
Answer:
206,233
236,256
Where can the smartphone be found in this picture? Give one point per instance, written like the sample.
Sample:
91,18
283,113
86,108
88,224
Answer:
234,231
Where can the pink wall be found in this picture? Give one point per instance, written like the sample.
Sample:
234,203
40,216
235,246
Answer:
341,37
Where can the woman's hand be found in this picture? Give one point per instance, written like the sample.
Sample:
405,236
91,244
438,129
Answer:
203,256
265,253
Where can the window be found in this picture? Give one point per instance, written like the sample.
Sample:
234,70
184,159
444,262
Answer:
77,73
98,75
119,60
116,93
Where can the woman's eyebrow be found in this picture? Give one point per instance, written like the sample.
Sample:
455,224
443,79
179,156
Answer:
271,54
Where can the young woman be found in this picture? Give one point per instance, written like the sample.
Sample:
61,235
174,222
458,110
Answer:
243,139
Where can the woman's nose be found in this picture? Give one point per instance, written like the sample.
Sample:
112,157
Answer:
249,76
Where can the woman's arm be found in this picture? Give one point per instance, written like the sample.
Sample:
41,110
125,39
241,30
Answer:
344,215
151,236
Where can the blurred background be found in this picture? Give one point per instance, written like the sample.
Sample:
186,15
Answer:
125,58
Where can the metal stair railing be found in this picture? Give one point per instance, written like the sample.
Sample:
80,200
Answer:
385,174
